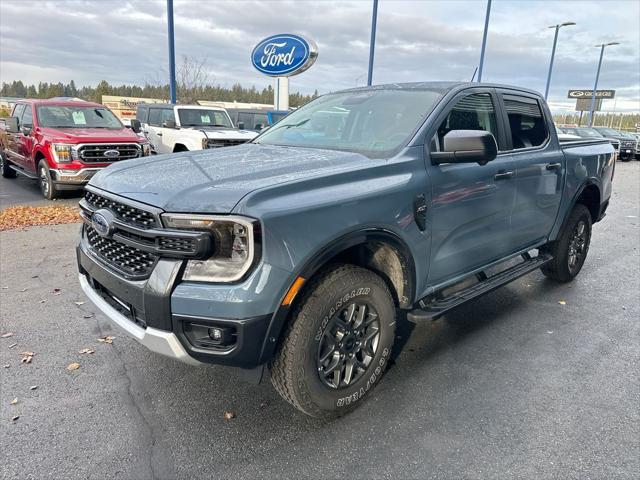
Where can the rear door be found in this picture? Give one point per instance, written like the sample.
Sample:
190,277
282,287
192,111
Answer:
154,130
470,213
539,166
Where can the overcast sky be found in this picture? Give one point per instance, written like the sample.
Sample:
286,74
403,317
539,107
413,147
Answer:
125,42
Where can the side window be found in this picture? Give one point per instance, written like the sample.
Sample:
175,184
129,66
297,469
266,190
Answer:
473,112
17,112
27,117
142,114
154,117
167,114
527,124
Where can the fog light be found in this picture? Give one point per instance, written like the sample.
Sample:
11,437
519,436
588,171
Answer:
207,336
215,334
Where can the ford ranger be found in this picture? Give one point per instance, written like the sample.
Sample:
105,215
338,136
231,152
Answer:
297,250
63,143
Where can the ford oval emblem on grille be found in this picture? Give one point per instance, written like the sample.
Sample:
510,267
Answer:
102,222
111,153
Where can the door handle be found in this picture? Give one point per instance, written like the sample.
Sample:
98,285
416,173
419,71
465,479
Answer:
553,166
159,134
145,132
502,175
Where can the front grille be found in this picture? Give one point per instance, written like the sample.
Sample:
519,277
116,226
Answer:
176,244
95,153
132,215
128,260
224,143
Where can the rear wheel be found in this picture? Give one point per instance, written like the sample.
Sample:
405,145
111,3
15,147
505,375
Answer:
338,343
5,167
570,250
47,187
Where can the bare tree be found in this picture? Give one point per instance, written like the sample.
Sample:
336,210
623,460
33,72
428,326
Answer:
192,76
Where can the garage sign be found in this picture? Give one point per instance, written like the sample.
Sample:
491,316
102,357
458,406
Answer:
284,55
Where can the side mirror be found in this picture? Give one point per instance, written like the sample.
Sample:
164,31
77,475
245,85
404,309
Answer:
26,130
136,126
12,124
259,126
169,124
467,146
240,125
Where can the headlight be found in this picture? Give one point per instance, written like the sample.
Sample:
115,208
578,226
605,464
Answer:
146,149
234,246
63,153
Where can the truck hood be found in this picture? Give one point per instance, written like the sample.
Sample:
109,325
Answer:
89,135
214,181
228,134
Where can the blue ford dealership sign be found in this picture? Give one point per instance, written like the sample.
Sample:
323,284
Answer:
284,55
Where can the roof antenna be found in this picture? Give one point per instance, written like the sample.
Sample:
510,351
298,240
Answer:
474,74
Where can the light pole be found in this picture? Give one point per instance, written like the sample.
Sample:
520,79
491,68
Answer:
553,53
372,44
172,53
595,86
484,40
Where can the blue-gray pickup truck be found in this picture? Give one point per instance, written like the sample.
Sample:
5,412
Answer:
298,250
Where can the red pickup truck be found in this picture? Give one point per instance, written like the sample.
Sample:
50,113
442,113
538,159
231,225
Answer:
63,143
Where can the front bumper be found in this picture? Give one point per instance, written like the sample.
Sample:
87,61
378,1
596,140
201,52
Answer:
72,178
159,341
158,311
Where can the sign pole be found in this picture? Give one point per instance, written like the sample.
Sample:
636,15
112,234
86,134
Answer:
484,40
372,44
553,54
172,53
595,87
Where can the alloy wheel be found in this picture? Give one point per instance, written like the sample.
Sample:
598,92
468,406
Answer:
577,245
348,345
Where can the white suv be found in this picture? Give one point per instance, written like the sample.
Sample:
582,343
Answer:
180,128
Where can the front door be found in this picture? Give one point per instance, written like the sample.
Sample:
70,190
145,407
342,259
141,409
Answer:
471,204
539,169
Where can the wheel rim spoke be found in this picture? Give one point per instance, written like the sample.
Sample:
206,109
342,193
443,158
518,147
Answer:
348,345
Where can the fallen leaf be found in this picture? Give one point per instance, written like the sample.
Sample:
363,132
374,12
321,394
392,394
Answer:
13,419
13,345
229,415
42,301
33,387
6,335
13,402
79,303
26,357
24,289
73,366
107,339
56,291
88,316
562,302
549,332
24,216
86,350
34,276
7,366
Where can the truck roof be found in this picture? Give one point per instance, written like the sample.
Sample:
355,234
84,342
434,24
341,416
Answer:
443,86
60,102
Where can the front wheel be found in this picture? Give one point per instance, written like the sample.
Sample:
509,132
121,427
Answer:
570,250
338,343
47,187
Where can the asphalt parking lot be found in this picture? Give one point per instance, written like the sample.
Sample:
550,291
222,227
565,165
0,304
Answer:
25,191
536,380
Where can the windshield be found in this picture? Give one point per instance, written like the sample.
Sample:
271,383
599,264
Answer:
586,132
196,117
372,122
55,116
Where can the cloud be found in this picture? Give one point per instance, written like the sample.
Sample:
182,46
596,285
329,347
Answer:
126,42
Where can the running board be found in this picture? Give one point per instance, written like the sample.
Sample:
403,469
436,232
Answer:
437,308
23,172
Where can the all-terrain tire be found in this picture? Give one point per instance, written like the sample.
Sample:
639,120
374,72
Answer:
47,187
339,292
7,171
570,250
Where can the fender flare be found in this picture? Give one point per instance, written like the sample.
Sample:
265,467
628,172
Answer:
587,183
320,258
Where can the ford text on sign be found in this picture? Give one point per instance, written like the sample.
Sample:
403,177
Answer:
284,55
